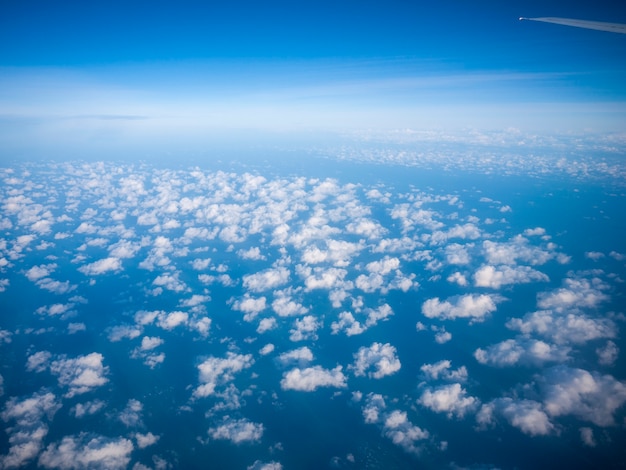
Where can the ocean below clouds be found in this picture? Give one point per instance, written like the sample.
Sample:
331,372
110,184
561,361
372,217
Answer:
362,307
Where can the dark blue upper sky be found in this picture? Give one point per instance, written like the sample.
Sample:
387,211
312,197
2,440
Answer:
311,61
481,33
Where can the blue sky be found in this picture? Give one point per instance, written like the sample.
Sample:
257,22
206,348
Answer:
134,71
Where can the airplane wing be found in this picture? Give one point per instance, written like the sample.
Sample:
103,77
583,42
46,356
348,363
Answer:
599,25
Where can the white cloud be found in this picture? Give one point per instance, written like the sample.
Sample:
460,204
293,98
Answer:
458,278
380,357
496,277
608,354
250,306
195,301
451,399
526,415
588,396
170,282
594,255
348,324
521,351
169,321
517,249
395,424
577,293
320,278
384,266
312,378
88,408
266,324
301,355
443,370
131,415
80,375
304,328
146,440
101,266
266,280
267,349
258,465
457,254
55,309
237,431
119,332
564,328
150,342
27,434
87,452
37,272
215,371
475,307
284,306
39,361
253,253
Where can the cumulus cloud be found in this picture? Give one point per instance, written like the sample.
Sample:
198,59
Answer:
237,431
301,356
564,328
395,424
29,429
101,266
516,250
475,307
521,352
608,354
380,357
312,378
442,370
216,371
80,375
169,321
250,306
351,326
130,416
526,415
87,452
266,280
577,293
146,440
496,277
451,399
37,272
588,396
305,328
284,306
88,408
258,465
266,324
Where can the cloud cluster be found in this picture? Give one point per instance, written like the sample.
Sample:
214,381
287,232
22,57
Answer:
451,399
377,361
474,307
310,379
237,431
87,452
216,371
28,428
395,424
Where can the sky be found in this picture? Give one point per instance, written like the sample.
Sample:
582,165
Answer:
77,73
344,234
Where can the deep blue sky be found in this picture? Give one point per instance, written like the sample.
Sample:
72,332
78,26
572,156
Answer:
186,67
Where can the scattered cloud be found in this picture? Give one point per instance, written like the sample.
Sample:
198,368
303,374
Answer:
311,378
